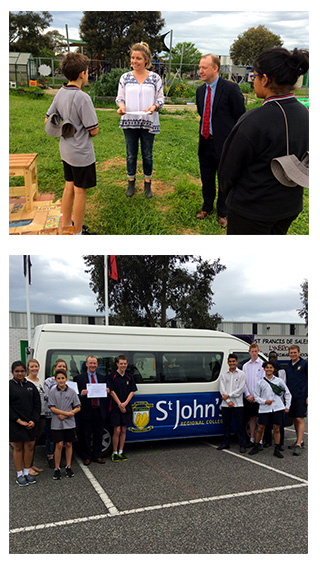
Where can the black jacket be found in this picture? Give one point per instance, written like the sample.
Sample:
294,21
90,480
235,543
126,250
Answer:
24,401
86,404
228,106
245,175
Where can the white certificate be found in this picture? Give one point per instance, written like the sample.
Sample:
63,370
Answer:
96,390
73,385
138,113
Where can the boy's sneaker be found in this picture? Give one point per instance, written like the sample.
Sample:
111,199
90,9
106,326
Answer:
255,449
22,481
69,472
296,450
277,453
292,446
30,479
50,462
56,474
122,456
115,457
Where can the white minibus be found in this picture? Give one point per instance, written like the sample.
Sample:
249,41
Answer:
176,372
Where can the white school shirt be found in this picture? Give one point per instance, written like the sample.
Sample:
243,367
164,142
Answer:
264,392
253,372
233,383
139,97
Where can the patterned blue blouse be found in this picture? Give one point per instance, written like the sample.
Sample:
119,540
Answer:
139,97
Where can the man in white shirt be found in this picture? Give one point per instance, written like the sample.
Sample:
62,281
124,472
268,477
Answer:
253,371
232,386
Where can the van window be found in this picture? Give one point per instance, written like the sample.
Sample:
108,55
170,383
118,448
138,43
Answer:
143,367
243,357
190,367
146,367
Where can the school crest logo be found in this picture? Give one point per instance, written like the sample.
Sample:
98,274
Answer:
141,417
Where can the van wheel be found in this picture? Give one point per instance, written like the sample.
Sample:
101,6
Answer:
106,442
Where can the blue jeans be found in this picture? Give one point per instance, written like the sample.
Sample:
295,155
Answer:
132,136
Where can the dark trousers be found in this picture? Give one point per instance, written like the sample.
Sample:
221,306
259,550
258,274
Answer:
238,225
91,430
208,169
227,414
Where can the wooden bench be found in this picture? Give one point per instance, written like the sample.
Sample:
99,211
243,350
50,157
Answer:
24,165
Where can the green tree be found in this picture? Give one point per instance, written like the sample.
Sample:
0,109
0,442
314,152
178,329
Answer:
249,45
109,35
26,31
303,312
190,57
153,290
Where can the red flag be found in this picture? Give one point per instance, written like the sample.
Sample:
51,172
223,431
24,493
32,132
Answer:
113,272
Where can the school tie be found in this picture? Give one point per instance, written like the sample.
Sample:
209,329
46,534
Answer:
95,401
206,116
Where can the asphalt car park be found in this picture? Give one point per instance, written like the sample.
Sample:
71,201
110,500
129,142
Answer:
170,497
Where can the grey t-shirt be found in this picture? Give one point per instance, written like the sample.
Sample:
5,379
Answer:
65,401
77,150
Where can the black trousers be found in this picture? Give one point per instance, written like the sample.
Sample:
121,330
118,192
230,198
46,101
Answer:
91,431
238,225
227,414
209,163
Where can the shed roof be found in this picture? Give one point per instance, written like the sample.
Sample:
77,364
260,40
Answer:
17,57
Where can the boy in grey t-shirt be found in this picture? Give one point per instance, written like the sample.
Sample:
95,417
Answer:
77,152
64,404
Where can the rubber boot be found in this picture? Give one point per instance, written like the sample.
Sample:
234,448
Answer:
130,189
147,189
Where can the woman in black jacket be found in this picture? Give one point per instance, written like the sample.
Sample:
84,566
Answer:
257,202
24,412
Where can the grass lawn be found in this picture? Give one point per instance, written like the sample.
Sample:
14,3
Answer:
176,181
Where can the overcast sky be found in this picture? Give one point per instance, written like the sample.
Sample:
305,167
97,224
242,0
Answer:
246,291
213,31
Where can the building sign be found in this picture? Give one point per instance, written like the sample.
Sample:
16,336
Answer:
281,345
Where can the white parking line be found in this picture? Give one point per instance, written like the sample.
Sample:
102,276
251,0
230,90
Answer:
98,488
113,510
154,507
260,464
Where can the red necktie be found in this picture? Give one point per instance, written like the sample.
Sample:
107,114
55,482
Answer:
206,116
95,401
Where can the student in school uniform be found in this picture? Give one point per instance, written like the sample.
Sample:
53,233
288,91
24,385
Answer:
253,371
122,387
24,413
232,386
64,404
50,382
269,393
77,151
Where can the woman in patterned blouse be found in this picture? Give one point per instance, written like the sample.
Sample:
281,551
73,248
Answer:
140,96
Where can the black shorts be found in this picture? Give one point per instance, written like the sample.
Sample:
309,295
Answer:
82,176
65,435
118,419
298,407
250,409
273,418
